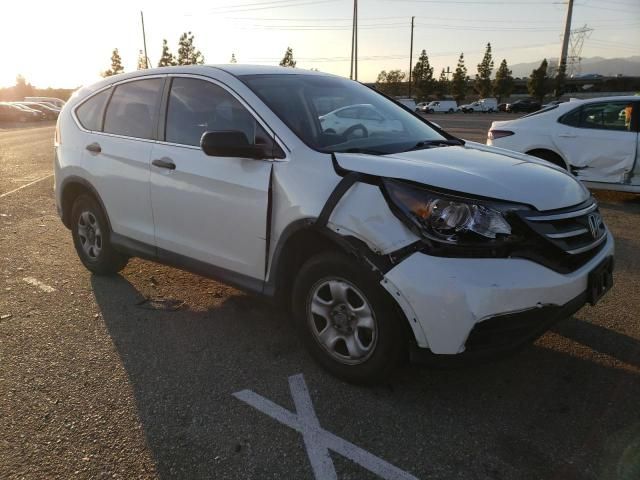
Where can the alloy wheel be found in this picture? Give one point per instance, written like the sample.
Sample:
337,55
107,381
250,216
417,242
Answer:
342,320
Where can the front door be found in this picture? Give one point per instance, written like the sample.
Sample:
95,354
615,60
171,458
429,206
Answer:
599,140
209,209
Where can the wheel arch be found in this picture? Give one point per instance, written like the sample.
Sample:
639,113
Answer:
71,188
304,238
555,157
298,242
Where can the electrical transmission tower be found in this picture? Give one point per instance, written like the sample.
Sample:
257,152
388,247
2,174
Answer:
576,42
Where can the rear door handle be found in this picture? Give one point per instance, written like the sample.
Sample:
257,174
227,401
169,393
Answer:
567,135
94,147
164,163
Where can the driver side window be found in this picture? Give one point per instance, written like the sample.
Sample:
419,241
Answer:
198,106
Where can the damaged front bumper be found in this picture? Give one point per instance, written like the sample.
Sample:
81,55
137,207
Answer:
457,305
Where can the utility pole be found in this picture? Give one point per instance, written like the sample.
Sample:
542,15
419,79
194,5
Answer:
354,43
565,38
411,56
144,40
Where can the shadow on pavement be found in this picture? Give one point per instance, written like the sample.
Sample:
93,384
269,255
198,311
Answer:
540,414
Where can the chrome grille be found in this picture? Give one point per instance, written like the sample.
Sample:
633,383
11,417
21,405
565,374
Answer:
574,231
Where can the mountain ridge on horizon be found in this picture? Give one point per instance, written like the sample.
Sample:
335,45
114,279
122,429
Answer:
609,67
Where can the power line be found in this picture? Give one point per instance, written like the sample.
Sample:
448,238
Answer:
260,6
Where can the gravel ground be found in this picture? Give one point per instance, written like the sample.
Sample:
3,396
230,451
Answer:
132,376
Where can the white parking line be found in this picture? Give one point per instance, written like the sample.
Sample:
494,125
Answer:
25,186
317,440
37,283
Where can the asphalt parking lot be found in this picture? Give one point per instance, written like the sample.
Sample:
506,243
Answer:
134,376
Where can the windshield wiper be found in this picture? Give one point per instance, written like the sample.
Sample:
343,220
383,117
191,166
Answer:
366,151
436,143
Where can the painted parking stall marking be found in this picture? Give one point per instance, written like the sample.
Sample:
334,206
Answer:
317,440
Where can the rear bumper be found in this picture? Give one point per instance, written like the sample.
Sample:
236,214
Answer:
455,305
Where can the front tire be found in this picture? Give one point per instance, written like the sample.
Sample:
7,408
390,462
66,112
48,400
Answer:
347,320
92,237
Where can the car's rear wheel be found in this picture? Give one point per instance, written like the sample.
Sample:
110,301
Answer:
92,237
347,320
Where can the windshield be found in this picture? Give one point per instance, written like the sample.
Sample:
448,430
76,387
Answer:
337,115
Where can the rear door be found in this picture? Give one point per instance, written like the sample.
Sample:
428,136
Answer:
118,149
599,140
212,210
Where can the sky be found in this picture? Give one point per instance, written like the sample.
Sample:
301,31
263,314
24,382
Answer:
67,43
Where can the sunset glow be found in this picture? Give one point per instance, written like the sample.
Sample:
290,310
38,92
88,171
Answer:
66,44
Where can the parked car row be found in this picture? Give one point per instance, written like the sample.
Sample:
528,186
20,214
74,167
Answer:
30,110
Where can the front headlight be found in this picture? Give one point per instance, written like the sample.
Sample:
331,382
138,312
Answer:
448,219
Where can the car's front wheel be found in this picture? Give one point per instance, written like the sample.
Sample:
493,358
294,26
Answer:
347,320
92,238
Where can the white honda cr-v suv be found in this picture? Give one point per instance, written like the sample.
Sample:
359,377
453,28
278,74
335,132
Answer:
382,243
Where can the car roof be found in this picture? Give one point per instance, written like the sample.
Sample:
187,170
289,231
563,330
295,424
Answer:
232,69
619,98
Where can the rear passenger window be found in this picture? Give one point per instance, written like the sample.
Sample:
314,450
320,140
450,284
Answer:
133,109
197,106
90,112
607,116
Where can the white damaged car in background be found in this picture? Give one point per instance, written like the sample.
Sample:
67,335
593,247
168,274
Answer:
596,139
380,241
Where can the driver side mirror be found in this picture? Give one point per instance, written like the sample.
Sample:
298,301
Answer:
231,143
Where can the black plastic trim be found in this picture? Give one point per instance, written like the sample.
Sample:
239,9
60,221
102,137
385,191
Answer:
136,248
85,183
267,237
338,192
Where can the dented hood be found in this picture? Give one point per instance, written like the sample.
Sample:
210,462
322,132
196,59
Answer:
477,170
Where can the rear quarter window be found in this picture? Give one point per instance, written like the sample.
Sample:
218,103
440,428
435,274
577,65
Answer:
571,118
90,112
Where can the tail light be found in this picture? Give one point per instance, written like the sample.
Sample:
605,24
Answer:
495,134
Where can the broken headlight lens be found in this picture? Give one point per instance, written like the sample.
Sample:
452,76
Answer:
447,219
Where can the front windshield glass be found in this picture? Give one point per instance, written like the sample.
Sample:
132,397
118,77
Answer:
337,115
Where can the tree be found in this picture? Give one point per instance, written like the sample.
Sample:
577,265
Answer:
459,80
287,60
503,83
116,64
390,82
166,58
142,61
22,88
442,85
423,76
561,77
233,58
188,54
538,83
483,77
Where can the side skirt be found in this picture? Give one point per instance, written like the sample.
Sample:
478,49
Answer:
135,248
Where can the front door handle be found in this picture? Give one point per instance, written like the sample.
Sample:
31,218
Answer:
567,135
94,147
164,163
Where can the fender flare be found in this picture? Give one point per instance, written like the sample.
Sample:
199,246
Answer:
74,179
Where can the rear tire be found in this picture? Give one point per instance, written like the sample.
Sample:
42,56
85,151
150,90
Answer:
347,321
92,237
